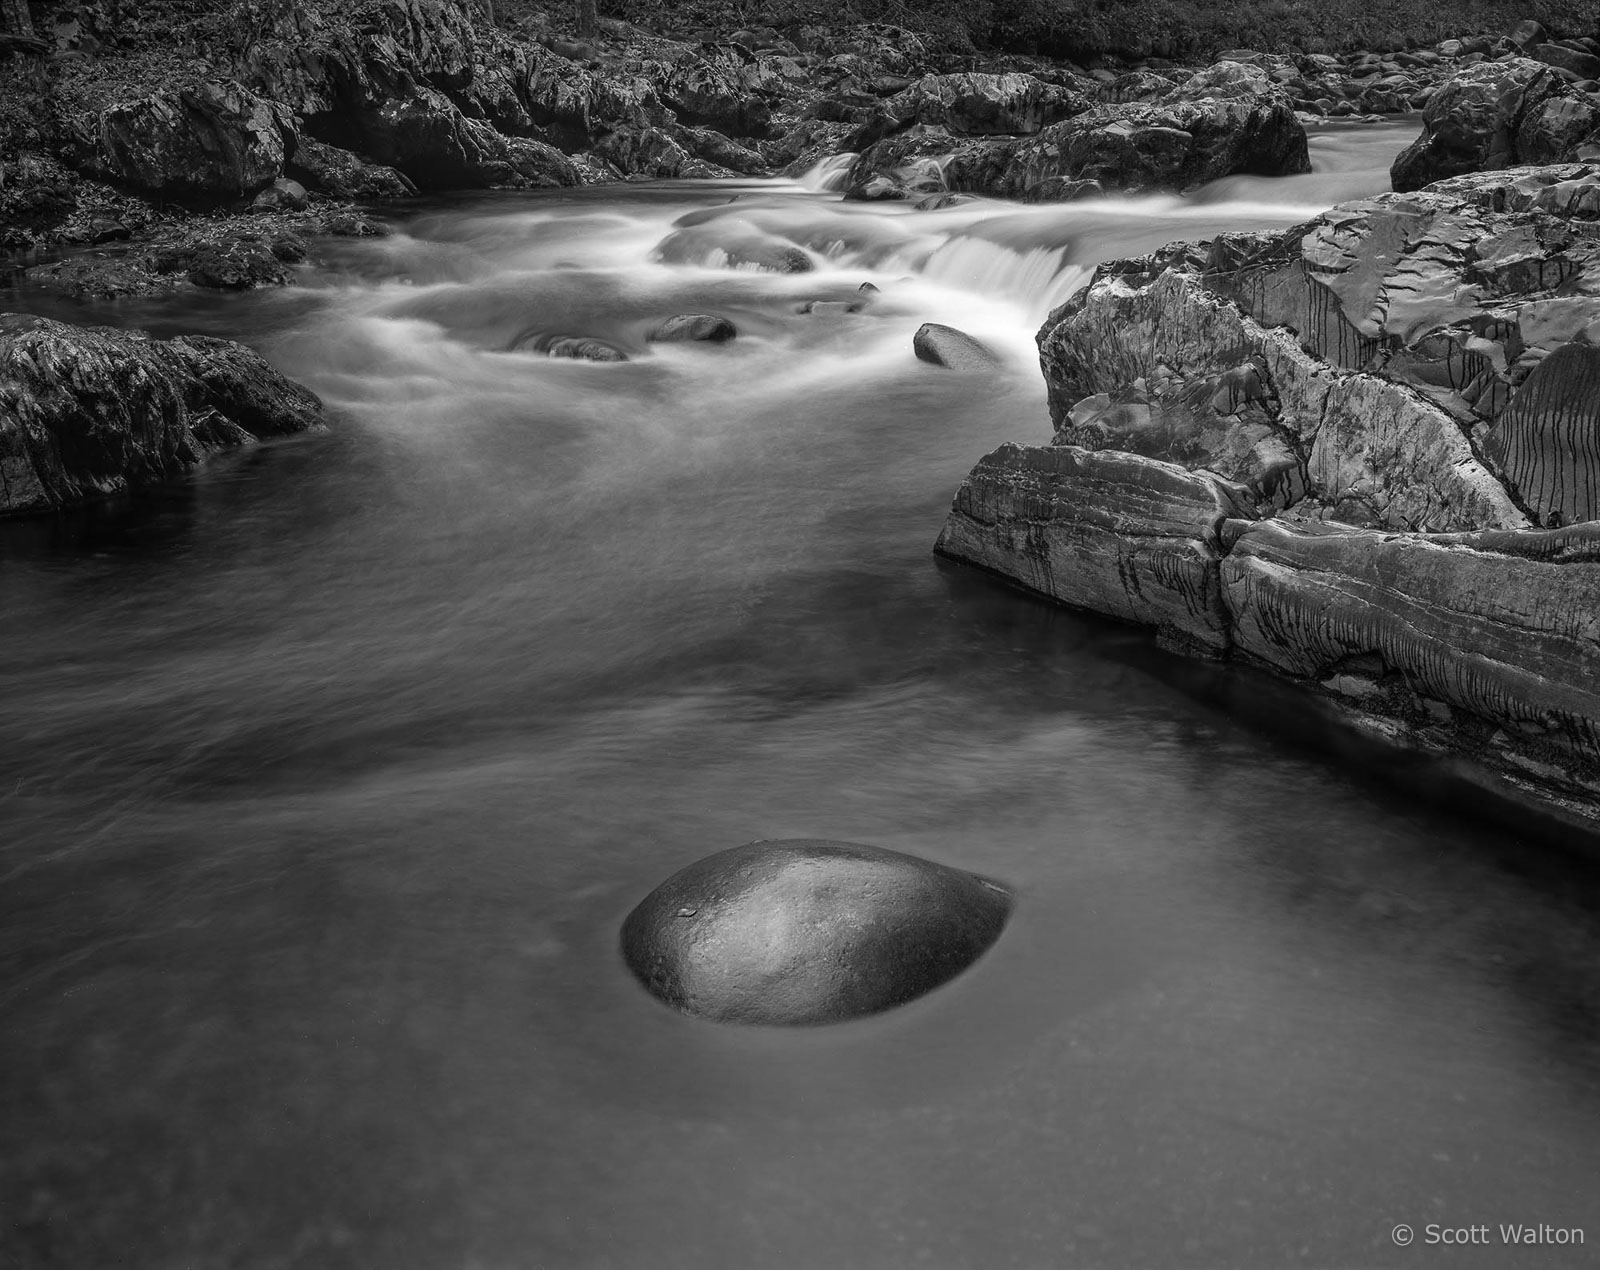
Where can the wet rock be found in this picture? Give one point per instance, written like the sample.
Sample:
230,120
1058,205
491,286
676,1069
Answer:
695,327
877,189
1496,115
283,195
1494,624
974,104
732,242
345,175
1228,119
215,143
233,266
808,931
581,348
956,350
1120,534
90,411
1579,63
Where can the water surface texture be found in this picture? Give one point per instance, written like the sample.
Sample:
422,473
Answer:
327,778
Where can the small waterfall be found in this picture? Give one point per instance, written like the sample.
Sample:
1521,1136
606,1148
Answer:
1035,278
831,176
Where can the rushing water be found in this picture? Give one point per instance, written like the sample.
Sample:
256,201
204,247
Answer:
327,777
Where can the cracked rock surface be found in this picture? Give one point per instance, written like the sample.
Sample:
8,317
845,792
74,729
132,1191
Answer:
1364,452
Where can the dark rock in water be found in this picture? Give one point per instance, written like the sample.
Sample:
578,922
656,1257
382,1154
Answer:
732,242
948,347
88,411
577,347
345,175
938,202
700,327
876,189
808,931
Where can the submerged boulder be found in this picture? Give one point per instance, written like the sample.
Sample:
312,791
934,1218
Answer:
955,350
695,327
582,348
808,931
89,411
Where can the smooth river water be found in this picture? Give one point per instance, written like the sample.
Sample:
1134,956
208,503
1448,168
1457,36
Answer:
327,777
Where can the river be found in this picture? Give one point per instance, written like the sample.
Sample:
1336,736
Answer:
327,777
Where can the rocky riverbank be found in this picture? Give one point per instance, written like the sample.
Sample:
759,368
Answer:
1364,453
159,146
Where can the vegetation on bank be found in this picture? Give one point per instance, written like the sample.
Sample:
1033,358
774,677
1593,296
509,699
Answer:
1178,29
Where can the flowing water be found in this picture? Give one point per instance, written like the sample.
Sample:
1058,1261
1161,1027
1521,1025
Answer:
327,777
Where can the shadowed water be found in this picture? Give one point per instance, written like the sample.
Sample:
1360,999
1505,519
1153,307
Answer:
327,778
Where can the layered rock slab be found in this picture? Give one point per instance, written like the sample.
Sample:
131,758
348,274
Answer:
1118,533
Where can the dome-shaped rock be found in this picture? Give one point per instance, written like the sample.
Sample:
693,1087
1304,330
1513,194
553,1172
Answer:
946,346
808,931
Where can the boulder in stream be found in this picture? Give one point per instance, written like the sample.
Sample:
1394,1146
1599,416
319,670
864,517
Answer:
704,328
955,350
90,411
807,931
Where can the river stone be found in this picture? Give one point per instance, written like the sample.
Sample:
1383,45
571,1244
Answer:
948,347
582,348
698,327
805,930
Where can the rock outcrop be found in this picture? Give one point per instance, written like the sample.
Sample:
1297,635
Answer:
90,411
1496,115
215,143
807,931
943,133
1364,452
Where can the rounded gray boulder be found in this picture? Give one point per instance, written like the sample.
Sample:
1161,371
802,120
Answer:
808,931
948,347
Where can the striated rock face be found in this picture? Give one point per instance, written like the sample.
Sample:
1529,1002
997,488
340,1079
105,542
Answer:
1498,115
1118,533
806,931
88,411
1365,453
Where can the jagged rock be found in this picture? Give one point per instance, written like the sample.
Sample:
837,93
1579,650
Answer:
653,153
215,143
713,147
394,90
1330,450
1496,115
697,327
236,265
974,104
89,411
912,159
345,175
1228,119
807,931
877,189
1458,292
1120,534
1359,446
955,350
